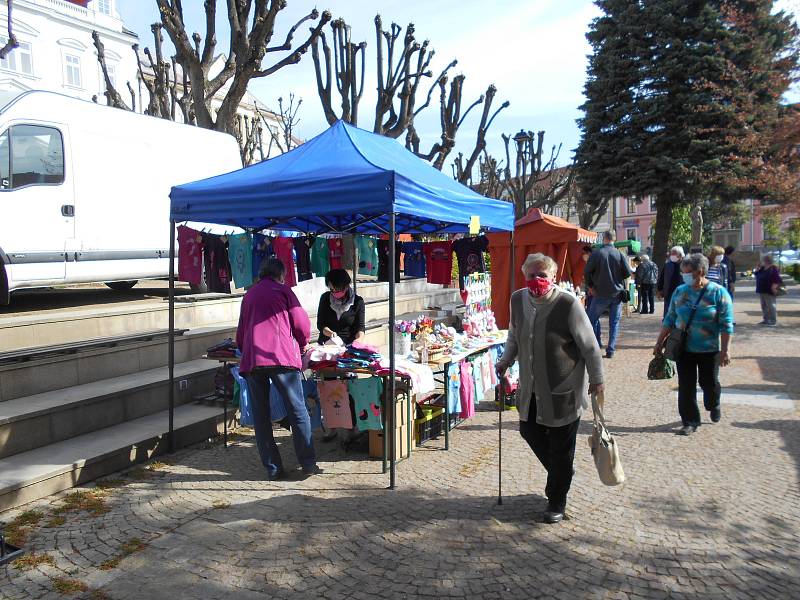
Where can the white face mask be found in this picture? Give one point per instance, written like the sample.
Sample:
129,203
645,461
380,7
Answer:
674,258
717,260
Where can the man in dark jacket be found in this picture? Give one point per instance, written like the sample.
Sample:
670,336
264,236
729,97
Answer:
605,275
670,276
728,262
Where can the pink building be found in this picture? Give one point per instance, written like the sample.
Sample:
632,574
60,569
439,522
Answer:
634,218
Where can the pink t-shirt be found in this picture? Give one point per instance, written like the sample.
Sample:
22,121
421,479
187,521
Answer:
335,252
335,403
467,390
283,251
190,255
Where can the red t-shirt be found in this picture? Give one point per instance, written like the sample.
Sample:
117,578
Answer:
190,255
439,259
283,247
335,252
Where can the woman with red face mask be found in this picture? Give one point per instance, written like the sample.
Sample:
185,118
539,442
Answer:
340,315
552,339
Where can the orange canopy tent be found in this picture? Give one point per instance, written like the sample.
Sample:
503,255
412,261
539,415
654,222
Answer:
535,232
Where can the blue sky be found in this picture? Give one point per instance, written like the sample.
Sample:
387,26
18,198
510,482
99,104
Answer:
534,51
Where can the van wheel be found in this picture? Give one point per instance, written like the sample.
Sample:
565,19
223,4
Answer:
121,286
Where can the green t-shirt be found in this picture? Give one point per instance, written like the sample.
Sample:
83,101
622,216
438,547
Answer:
367,255
319,257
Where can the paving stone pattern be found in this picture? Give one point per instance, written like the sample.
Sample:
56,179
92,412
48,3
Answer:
715,515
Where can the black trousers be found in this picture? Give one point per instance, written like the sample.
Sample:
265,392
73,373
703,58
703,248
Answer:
555,449
647,299
694,367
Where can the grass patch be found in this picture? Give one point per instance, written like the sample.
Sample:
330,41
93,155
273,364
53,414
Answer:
90,501
98,595
109,484
55,522
33,560
157,465
132,546
64,585
139,474
17,531
29,517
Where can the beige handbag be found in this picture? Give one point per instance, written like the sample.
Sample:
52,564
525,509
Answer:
604,447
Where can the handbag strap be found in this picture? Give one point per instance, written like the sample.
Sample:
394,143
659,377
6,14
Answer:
598,401
695,307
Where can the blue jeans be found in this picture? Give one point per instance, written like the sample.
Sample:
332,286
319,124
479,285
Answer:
290,385
595,324
597,308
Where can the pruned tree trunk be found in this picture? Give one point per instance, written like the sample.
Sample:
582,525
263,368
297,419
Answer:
11,42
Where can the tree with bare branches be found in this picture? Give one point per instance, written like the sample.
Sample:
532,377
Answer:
12,41
185,81
401,65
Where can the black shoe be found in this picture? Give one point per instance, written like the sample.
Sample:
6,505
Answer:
554,515
279,476
687,430
716,414
608,354
330,436
315,470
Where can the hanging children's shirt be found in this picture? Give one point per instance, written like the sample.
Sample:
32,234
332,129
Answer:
311,395
284,247
366,395
486,372
319,257
367,255
215,260
262,248
454,390
383,260
240,250
335,252
414,259
349,252
467,390
439,257
477,376
335,402
302,252
469,252
190,255
492,363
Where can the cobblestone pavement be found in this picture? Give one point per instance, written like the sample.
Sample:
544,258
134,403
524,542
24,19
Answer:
715,515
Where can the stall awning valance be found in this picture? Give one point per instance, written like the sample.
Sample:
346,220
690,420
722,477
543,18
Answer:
345,180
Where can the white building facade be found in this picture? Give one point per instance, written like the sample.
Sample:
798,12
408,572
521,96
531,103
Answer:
56,51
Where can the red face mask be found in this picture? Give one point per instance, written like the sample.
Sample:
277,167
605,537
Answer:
539,286
340,294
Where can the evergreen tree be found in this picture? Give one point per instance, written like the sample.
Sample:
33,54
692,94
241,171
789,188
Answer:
687,111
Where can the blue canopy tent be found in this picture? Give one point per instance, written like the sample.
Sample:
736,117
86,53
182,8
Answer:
346,181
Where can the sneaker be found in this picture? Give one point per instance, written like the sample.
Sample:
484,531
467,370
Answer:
687,430
763,323
716,414
608,354
771,324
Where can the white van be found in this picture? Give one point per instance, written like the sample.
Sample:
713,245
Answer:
84,189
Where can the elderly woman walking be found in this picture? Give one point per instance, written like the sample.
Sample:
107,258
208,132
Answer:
704,310
551,336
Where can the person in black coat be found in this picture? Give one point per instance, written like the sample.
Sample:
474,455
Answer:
670,276
341,312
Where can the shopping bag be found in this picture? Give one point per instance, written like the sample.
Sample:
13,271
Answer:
245,410
660,368
604,447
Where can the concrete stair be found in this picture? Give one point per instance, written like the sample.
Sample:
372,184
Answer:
67,419
37,473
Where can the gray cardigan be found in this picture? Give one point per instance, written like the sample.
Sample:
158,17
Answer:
555,345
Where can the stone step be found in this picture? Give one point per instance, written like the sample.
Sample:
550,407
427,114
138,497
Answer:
57,372
38,473
44,419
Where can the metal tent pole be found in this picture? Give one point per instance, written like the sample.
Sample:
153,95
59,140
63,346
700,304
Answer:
172,336
355,265
392,397
512,273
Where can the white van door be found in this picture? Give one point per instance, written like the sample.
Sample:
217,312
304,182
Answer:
38,213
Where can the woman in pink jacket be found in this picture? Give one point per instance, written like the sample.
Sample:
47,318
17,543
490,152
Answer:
273,330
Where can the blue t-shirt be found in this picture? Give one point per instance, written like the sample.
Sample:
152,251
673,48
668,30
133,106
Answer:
414,260
240,255
262,248
714,315
454,390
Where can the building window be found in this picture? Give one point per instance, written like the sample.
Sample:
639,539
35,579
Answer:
653,207
631,233
104,6
632,205
19,59
72,70
31,155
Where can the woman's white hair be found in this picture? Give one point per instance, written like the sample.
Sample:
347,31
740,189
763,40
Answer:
539,259
677,250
